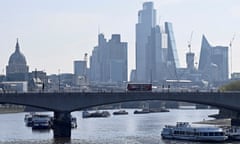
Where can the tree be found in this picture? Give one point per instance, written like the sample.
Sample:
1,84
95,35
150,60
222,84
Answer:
233,86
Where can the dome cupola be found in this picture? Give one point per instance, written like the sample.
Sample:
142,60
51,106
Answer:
17,58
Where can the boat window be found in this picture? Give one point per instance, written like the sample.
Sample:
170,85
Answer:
205,134
181,132
196,133
211,134
189,133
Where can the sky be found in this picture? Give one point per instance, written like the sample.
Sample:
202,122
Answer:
54,33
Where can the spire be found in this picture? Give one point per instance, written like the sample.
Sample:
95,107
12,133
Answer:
17,46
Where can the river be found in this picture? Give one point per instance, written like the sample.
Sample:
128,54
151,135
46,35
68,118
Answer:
121,129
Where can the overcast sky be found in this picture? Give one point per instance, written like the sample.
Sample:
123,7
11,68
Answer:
54,33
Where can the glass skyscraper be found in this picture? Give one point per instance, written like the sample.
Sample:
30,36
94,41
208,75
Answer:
146,21
108,62
213,62
172,60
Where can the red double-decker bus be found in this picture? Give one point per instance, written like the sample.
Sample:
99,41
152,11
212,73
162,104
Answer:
139,87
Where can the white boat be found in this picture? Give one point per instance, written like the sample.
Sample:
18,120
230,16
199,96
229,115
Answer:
40,121
184,131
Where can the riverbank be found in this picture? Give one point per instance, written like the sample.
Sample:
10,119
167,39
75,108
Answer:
4,110
220,122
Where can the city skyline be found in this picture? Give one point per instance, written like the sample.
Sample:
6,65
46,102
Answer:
47,32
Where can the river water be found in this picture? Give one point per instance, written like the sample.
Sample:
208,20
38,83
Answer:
121,129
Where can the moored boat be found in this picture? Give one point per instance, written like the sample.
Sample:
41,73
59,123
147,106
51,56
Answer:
28,119
40,121
143,111
184,131
96,114
120,112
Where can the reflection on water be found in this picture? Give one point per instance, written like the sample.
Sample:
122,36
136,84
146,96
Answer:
127,129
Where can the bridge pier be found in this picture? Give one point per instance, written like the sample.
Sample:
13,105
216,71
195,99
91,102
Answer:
62,124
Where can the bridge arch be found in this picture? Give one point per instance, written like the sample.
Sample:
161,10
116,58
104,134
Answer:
77,101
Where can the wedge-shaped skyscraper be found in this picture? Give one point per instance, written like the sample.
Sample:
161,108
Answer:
213,63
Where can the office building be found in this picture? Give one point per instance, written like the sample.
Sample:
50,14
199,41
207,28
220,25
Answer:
213,62
172,62
146,21
80,68
154,62
108,62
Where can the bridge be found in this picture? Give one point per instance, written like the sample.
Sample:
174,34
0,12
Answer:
62,104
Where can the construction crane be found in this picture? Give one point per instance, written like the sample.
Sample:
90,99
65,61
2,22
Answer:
190,42
230,46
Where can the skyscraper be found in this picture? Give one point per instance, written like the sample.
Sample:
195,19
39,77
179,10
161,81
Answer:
108,62
154,56
213,62
146,21
172,55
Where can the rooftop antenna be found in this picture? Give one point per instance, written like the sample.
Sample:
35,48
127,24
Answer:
190,42
230,46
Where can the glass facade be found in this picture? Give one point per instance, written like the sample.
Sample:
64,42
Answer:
213,62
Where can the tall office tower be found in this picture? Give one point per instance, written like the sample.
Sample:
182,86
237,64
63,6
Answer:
94,65
213,62
172,55
97,61
220,58
146,21
117,59
108,62
154,56
17,69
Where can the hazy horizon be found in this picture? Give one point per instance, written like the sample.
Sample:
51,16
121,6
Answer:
52,34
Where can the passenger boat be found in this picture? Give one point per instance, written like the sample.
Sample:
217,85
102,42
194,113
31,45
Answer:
40,121
184,131
120,112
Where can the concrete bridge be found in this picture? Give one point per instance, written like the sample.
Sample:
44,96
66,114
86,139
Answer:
62,104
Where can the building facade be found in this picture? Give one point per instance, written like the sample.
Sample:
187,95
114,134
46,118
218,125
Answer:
156,53
213,62
17,68
146,21
108,62
172,61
